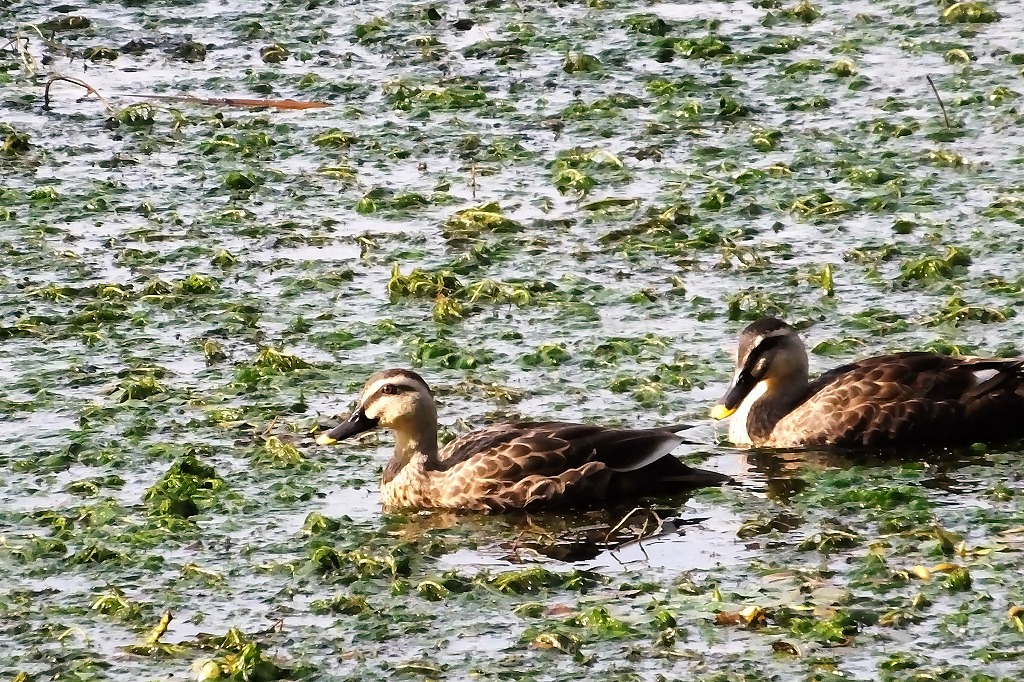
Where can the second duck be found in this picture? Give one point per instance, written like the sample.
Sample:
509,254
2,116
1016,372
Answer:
912,398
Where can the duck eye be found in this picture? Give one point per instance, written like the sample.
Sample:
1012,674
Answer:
389,389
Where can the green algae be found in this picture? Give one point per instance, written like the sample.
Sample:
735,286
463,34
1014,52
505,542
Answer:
556,212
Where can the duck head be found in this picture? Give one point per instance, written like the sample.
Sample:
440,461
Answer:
397,399
770,358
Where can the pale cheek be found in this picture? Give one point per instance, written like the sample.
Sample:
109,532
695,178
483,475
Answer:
392,412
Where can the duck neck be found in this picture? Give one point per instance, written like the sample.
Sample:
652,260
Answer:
779,401
769,401
772,400
415,446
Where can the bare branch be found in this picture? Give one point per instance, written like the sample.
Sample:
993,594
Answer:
941,105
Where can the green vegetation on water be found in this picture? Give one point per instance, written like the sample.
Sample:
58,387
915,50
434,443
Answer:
552,210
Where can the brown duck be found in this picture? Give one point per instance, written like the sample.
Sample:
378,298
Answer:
510,466
890,400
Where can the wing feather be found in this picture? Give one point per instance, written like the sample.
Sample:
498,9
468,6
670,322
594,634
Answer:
908,397
557,463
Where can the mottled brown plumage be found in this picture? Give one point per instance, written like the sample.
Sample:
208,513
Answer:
511,466
889,400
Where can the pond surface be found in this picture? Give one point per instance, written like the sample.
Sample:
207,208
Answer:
557,211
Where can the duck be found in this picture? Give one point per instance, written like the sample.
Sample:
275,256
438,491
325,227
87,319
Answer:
513,466
887,401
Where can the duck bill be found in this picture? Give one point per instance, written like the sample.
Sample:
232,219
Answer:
738,390
356,424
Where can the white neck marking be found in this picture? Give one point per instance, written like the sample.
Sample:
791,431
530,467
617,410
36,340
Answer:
738,422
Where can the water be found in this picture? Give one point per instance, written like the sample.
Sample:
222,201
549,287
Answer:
310,278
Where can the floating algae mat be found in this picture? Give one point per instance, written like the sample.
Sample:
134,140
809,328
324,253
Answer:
552,210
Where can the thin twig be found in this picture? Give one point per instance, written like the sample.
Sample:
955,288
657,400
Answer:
91,91
23,52
12,41
231,101
35,28
941,105
643,534
621,523
21,44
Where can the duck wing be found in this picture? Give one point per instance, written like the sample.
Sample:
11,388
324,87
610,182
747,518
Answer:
908,398
552,447
557,463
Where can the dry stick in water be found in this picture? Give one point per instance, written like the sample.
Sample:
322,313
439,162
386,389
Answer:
233,101
14,43
216,101
941,105
639,540
19,44
91,91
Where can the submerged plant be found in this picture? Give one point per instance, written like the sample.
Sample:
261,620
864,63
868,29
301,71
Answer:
278,361
936,267
967,12
421,284
14,142
578,62
479,221
180,491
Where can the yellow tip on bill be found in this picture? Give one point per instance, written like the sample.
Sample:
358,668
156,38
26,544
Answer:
324,439
721,411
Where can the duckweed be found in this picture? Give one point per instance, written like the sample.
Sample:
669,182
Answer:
563,211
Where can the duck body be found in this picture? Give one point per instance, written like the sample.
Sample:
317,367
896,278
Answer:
902,399
544,464
504,467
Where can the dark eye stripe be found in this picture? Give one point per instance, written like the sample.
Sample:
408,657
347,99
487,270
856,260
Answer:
758,352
